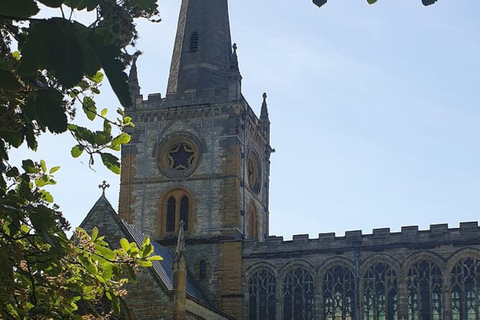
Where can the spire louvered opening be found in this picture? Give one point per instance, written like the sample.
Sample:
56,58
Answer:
194,41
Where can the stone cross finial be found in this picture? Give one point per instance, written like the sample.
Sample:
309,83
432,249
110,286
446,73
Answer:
235,48
264,97
103,186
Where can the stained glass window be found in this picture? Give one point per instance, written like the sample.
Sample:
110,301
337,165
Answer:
465,282
339,294
424,291
379,286
261,296
298,298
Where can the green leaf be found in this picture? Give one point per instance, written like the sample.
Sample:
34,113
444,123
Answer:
94,234
123,138
77,151
109,57
102,138
111,162
371,1
54,169
18,8
49,108
8,81
125,244
52,3
319,3
47,196
104,112
146,5
97,78
89,108
107,127
43,165
29,166
428,2
82,4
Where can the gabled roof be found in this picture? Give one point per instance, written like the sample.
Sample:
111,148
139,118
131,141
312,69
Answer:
163,269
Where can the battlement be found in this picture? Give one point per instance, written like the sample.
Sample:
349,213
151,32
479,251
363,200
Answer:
379,239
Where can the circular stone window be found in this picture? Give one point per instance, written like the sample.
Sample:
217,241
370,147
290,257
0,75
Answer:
179,155
254,172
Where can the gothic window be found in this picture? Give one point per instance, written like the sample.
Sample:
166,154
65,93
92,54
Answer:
171,207
252,231
202,270
177,208
194,42
298,299
339,294
261,296
424,291
465,282
379,293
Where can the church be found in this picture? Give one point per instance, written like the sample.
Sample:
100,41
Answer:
195,179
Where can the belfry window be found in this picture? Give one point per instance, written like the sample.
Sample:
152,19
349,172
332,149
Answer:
176,208
298,298
194,41
424,291
465,282
379,292
339,294
261,296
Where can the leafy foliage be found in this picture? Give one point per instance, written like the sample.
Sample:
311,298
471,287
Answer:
320,3
48,68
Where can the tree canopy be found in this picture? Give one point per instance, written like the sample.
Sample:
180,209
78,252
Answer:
50,68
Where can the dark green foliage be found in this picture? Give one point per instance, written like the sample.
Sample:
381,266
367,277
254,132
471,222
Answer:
57,70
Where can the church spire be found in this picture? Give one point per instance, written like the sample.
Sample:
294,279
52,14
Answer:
202,61
133,81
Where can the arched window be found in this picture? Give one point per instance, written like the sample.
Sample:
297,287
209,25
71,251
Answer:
465,281
171,207
339,294
261,296
194,41
177,207
252,222
202,270
298,299
379,285
424,291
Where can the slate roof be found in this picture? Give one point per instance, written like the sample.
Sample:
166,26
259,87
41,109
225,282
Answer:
164,268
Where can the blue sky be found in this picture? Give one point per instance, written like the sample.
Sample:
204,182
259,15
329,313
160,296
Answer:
374,109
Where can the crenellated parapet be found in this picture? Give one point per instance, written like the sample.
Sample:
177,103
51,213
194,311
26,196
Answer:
379,240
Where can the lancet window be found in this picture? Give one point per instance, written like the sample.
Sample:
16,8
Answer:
465,294
379,293
261,296
339,294
298,296
424,291
177,207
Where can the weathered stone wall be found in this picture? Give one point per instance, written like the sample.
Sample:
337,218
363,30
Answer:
440,245
146,299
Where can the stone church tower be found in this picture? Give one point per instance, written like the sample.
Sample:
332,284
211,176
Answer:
200,155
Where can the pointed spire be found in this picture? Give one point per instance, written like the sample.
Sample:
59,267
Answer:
202,55
264,111
133,80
